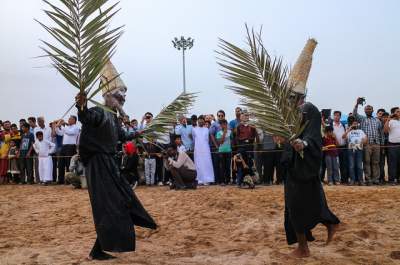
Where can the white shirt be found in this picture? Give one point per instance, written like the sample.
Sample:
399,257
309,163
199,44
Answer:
355,138
338,131
70,134
46,132
44,148
182,148
394,131
183,160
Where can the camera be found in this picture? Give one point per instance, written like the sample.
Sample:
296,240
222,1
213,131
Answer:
361,101
326,115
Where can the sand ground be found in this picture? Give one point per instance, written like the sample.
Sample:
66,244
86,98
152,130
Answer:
212,225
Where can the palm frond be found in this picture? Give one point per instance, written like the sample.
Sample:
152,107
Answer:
84,41
262,83
168,116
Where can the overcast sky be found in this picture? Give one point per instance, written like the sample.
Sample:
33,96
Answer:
358,52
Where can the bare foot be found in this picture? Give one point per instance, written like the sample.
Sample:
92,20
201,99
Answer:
332,229
299,253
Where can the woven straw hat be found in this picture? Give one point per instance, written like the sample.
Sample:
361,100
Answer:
108,73
300,71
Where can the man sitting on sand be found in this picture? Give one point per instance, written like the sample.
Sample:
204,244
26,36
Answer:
182,169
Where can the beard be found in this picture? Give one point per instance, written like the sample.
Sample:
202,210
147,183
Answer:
115,104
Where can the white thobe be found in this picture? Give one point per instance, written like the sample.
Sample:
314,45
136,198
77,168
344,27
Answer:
202,155
43,149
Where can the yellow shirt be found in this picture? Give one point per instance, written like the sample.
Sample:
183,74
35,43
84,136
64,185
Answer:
5,146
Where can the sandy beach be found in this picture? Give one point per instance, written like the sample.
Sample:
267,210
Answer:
212,225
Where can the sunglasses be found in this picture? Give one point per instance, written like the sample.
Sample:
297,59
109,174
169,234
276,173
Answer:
221,115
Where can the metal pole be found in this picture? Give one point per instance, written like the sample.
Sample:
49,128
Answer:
184,77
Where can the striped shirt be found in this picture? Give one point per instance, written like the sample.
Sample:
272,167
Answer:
371,126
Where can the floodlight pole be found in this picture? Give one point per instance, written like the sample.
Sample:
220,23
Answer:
183,68
183,44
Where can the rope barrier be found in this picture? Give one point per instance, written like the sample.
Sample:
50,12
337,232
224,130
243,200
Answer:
215,152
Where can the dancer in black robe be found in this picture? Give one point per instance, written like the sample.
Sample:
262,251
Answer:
305,202
115,207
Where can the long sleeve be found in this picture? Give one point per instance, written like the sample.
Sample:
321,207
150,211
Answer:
52,147
71,130
92,116
180,161
60,131
356,115
36,147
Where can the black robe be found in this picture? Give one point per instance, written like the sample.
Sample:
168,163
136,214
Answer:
115,207
305,203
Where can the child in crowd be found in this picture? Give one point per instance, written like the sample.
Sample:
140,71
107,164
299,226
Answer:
356,139
76,175
44,148
150,154
240,168
331,156
223,138
179,145
25,151
13,170
130,162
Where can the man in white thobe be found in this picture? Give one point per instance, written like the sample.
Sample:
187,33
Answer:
202,154
44,148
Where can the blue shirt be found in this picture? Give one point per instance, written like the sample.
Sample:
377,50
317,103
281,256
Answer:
233,124
215,127
186,135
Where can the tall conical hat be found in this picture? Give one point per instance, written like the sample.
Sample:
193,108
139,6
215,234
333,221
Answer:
300,71
108,73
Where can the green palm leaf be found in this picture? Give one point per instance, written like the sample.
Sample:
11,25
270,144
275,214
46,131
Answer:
165,120
262,83
84,41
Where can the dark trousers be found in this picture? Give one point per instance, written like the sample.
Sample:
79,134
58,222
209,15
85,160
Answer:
382,161
130,168
355,165
55,166
343,164
246,150
159,175
36,167
215,162
26,169
268,162
322,170
67,151
183,177
394,162
224,168
280,169
241,173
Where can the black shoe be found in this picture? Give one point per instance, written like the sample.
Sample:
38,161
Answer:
101,256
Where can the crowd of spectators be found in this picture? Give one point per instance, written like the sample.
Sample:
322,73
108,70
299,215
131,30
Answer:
206,150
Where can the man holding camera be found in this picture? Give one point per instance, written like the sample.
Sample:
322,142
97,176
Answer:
392,127
69,131
182,169
372,127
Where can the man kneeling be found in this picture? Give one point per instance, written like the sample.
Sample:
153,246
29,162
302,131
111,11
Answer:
182,169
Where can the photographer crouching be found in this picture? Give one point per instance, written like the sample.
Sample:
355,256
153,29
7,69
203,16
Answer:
182,169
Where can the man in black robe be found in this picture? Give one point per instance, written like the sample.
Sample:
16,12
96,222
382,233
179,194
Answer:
305,203
115,207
